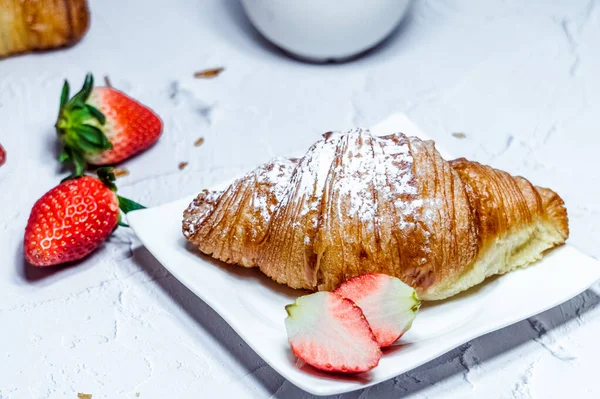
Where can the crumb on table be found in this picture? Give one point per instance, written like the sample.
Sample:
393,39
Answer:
209,73
121,172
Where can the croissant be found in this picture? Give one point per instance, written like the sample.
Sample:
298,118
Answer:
28,25
357,203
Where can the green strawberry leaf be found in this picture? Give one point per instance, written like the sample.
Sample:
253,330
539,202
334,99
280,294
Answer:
93,135
63,156
80,98
64,95
78,116
78,162
85,146
89,133
95,112
128,205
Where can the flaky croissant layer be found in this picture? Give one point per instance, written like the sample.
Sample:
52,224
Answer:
28,25
357,203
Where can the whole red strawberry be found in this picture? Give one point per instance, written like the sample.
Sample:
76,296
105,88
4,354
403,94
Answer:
73,219
103,126
2,155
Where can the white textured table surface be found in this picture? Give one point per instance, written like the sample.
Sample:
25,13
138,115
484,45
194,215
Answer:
519,79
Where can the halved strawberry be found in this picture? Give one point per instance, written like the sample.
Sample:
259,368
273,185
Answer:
389,305
330,333
73,219
103,126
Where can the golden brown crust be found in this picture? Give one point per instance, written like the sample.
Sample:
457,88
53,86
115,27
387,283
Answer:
357,203
499,200
30,25
233,223
503,202
555,210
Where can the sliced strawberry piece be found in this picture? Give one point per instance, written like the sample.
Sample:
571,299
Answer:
389,305
102,126
331,333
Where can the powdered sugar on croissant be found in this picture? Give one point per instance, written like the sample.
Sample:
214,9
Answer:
357,203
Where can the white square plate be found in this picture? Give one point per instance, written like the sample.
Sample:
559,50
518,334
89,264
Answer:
254,305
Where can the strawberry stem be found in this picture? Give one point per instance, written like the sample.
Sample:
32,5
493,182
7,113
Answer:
107,176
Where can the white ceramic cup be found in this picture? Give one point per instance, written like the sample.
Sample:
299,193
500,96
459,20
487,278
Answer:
324,30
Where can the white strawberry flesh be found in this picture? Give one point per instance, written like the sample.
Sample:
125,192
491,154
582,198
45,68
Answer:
331,333
389,305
